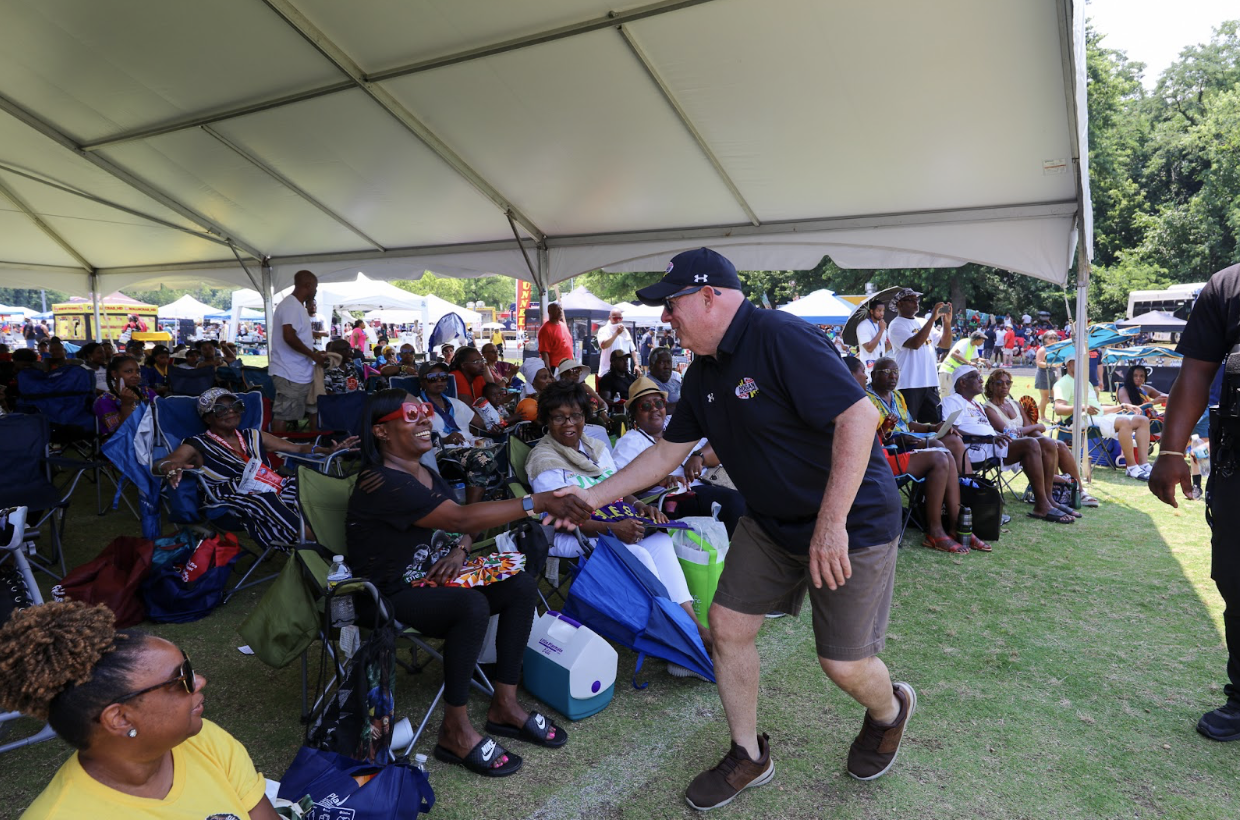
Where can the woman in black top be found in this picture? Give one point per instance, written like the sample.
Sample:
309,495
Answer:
393,516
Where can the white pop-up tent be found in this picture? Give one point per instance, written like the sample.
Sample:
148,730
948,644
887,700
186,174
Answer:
187,307
822,307
177,141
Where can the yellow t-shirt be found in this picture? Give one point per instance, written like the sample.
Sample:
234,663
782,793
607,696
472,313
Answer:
212,778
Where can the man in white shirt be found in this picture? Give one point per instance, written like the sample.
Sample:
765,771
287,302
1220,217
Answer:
1117,421
615,336
914,355
872,341
293,356
1038,462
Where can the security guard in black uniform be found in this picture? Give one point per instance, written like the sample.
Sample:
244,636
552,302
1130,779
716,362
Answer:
1211,338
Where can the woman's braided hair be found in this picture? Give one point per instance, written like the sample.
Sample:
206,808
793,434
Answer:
64,663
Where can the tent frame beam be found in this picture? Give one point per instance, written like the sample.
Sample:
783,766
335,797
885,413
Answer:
109,204
683,115
47,229
64,141
1049,210
292,186
287,12
502,47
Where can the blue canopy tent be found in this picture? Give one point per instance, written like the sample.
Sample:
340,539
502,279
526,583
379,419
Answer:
1125,355
1098,336
617,597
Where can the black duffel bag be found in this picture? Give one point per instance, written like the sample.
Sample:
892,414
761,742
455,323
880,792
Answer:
986,502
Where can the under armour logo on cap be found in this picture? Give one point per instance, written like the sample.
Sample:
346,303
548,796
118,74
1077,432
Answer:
701,278
689,269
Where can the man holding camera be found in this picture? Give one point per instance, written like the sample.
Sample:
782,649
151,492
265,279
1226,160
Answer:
1212,333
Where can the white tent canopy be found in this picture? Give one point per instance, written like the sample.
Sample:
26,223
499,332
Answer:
822,307
642,315
187,307
171,140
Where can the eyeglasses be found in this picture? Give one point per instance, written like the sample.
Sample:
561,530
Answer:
410,411
436,377
226,409
186,678
895,371
651,404
574,418
669,302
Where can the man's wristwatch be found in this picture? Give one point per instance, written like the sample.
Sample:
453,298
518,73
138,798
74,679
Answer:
527,504
699,453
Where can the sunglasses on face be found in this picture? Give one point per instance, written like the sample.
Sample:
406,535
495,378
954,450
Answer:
893,371
646,405
436,377
185,676
669,303
410,411
226,409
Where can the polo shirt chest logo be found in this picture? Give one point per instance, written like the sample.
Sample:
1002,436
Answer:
747,388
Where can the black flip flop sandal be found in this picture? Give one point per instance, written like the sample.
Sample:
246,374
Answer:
1067,510
481,757
1053,518
536,731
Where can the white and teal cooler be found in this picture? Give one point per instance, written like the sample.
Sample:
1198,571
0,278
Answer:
569,667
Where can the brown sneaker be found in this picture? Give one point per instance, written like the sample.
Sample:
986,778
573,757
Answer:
874,751
736,772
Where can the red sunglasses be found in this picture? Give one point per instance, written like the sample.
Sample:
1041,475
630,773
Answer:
410,411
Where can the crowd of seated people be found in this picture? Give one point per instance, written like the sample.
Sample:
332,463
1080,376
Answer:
1007,414
566,457
393,513
1123,422
458,428
1037,457
916,451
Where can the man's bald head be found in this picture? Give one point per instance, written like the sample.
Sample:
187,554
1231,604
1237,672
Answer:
305,285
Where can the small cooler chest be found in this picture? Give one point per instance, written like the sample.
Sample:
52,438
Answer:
569,667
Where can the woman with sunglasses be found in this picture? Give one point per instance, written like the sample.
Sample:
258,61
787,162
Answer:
266,502
132,706
455,423
565,457
394,511
647,407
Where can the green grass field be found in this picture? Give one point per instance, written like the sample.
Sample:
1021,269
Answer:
1058,677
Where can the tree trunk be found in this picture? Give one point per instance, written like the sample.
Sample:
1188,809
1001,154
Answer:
957,296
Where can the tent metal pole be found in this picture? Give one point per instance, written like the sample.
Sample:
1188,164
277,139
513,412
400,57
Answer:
268,299
1081,337
94,298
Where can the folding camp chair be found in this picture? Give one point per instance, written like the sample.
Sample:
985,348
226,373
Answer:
20,590
993,468
1097,447
324,501
407,383
259,379
65,396
26,480
183,381
176,418
913,490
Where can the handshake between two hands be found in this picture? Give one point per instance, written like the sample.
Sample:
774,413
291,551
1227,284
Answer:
565,508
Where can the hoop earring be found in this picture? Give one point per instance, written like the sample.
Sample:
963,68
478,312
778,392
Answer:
132,733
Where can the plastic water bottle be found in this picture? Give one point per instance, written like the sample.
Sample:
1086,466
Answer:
419,763
342,605
1201,452
964,527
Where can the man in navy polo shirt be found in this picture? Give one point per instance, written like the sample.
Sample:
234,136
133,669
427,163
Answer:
797,434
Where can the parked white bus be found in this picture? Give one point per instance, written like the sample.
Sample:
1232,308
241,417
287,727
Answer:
1169,300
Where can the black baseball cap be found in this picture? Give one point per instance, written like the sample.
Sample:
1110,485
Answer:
689,270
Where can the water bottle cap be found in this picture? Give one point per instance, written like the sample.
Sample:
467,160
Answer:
420,758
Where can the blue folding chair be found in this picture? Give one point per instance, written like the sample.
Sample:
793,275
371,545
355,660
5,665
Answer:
407,383
26,479
65,396
259,379
182,381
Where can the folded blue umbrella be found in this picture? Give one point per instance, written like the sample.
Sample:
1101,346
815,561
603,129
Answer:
616,596
1099,336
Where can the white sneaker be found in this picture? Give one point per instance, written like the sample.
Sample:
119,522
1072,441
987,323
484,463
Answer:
1148,468
1138,472
678,671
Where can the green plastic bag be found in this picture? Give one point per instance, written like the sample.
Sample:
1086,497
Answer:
701,551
